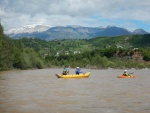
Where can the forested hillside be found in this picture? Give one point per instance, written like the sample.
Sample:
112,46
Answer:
125,42
99,52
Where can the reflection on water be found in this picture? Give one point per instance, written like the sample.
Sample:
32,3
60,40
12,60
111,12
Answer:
40,91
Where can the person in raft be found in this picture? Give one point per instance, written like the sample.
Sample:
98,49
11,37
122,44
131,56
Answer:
78,71
66,70
125,73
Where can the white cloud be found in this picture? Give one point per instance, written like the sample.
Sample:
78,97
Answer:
17,13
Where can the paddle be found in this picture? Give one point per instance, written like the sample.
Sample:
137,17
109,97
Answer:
131,73
68,69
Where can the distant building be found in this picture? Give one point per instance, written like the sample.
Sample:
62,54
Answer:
135,48
67,53
57,54
75,52
118,46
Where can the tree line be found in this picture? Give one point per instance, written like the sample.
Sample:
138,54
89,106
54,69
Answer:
31,53
15,55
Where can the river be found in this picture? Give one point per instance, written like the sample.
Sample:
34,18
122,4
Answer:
40,91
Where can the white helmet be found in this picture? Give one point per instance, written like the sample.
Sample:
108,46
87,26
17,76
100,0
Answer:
77,67
125,70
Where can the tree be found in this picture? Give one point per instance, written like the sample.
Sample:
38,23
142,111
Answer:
1,34
6,51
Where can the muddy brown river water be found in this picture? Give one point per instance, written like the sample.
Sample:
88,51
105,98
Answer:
40,91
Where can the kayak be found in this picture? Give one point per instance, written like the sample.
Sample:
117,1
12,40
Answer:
82,75
122,76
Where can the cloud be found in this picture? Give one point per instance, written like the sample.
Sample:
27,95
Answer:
17,13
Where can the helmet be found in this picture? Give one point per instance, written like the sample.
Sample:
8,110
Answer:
125,70
77,67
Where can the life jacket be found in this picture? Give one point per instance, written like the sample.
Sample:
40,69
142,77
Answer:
65,70
126,74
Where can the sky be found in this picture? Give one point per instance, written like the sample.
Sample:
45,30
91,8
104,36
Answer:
129,14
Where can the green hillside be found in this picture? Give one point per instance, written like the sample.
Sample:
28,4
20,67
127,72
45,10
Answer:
140,40
99,52
122,41
126,42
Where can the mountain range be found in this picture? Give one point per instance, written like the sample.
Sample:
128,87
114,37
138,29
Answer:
69,32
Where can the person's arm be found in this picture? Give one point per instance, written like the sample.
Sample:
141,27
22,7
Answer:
80,71
68,68
124,73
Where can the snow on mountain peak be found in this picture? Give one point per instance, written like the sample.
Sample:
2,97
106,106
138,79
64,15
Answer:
73,26
29,29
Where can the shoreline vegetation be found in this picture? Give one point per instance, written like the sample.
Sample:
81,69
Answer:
97,53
